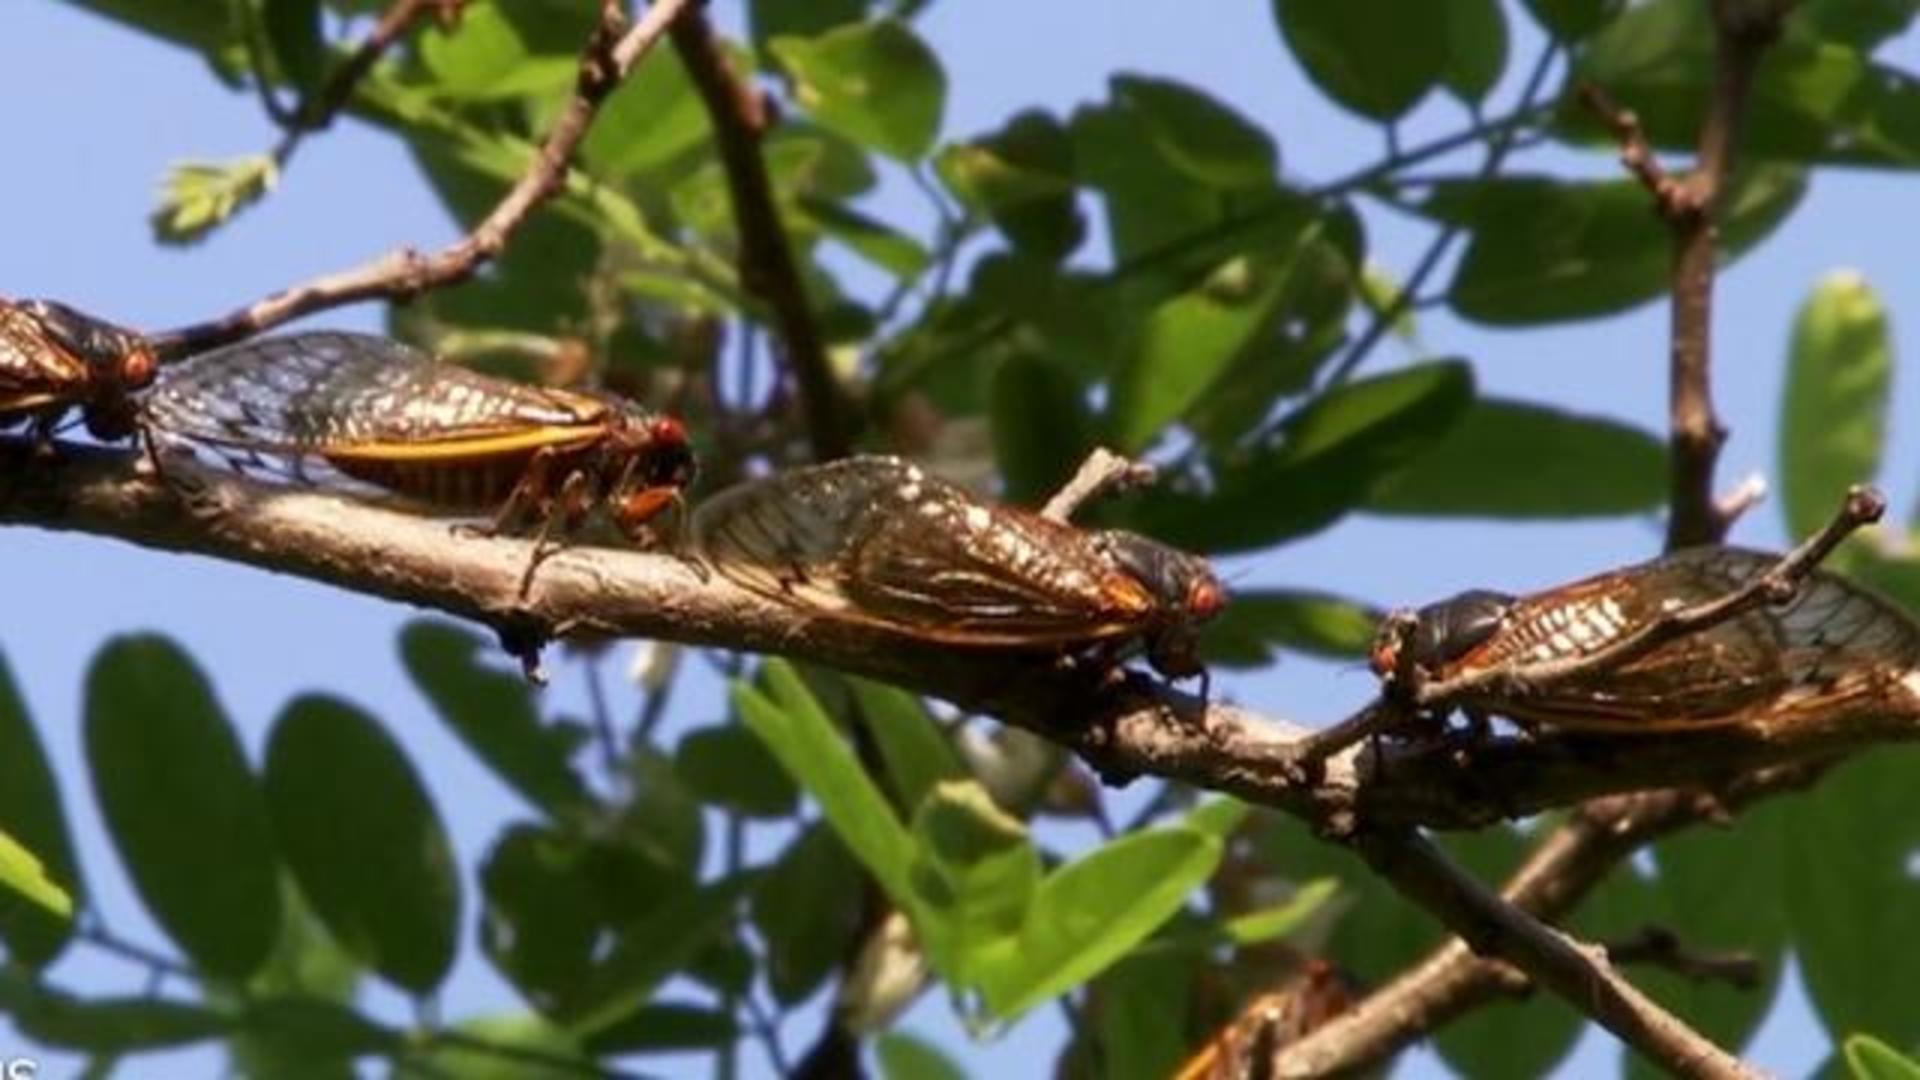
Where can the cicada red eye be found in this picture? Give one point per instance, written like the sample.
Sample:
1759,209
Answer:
877,540
382,413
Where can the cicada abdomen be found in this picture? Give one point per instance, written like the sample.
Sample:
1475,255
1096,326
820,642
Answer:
391,416
1832,642
54,359
877,540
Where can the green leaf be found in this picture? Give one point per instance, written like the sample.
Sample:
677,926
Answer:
31,815
1316,623
182,806
1199,136
22,872
1042,426
799,733
785,18
208,28
1022,178
484,58
666,1027
975,877
904,1056
1860,830
1283,919
1546,251
293,31
646,953
1190,341
1328,458
317,1028
729,766
874,82
653,121
1870,1059
493,713
915,750
545,1051
1376,57
1863,24
1146,1013
1476,48
200,196
883,246
113,1025
800,911
372,855
1095,909
1833,410
1571,20
1576,466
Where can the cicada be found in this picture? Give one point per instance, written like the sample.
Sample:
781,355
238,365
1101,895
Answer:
877,540
54,359
1831,643
1247,1045
392,416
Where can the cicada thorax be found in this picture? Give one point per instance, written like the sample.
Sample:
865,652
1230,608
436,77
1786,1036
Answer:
385,414
54,358
1832,639
877,540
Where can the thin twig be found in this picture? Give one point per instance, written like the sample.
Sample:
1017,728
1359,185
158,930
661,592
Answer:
768,270
1577,973
1659,946
608,57
1102,471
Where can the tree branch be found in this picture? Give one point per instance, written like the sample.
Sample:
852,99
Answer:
1580,974
608,57
316,113
767,268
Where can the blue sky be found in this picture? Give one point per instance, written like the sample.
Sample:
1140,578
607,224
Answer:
100,112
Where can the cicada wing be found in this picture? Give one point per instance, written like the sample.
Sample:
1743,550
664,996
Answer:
299,393
959,572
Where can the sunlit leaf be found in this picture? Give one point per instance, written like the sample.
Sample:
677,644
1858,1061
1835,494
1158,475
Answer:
874,82
1833,409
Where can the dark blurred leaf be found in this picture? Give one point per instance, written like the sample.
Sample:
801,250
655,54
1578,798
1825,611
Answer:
661,818
1571,20
1870,1059
904,1056
1204,139
874,82
1476,48
800,734
1376,57
1317,623
30,814
666,1028
729,766
915,751
493,713
1144,1013
1189,341
1545,251
1022,178
182,806
315,1027
1833,409
1860,23
293,31
1814,99
535,1049
372,855
1576,466
878,243
1042,427
200,196
770,19
803,910
112,1025
650,950
1328,458
208,28
1850,890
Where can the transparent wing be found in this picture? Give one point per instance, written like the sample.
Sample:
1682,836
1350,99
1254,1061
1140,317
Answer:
324,389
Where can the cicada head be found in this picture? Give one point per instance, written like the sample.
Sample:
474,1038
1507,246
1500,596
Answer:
1441,633
1186,594
117,360
658,466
